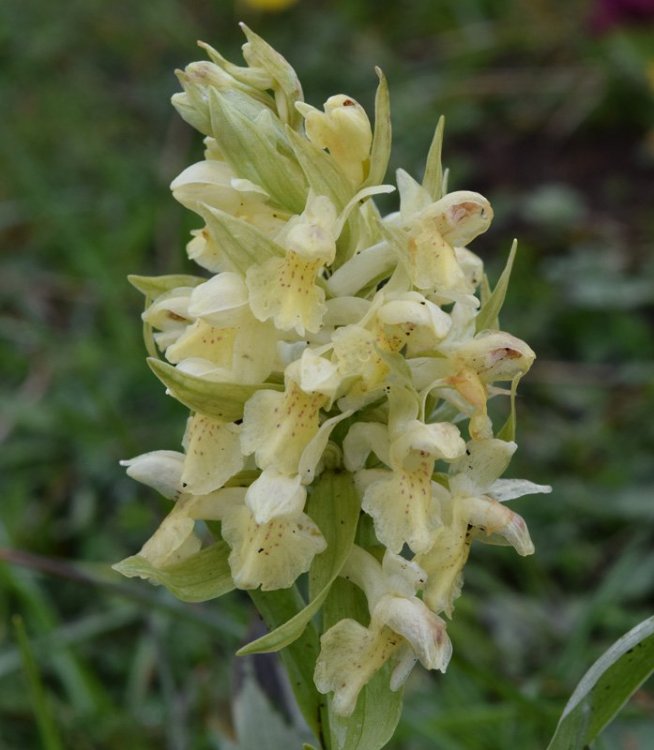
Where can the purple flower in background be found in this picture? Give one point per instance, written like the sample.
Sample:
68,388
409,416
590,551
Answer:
606,14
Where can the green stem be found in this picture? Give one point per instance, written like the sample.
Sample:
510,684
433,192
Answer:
299,657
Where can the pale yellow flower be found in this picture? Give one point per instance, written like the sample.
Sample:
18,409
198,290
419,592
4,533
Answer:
343,128
401,628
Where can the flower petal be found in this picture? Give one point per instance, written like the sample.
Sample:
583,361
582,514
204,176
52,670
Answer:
344,129
459,216
425,631
274,494
497,524
362,439
484,462
220,301
311,235
271,555
173,541
311,455
278,426
413,196
205,341
402,577
161,470
318,374
285,290
350,654
431,261
213,454
419,440
496,355
403,509
205,251
509,489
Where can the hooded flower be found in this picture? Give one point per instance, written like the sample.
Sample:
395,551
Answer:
404,502
271,554
286,289
473,509
401,628
285,434
344,130
468,364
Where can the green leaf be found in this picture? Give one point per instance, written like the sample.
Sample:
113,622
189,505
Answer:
378,710
487,317
153,286
277,607
241,241
605,688
257,150
334,505
202,576
380,152
433,180
218,400
269,731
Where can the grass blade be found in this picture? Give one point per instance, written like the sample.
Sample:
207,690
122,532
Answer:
47,728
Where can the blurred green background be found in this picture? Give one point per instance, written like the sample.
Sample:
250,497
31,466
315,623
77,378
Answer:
550,114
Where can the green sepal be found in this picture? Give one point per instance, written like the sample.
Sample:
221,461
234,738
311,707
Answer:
202,576
507,431
380,151
223,401
299,658
253,83
322,172
257,149
255,78
605,688
286,84
326,178
242,242
378,709
434,181
490,310
334,505
154,286
485,290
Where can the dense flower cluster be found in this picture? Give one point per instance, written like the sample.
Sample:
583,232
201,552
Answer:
329,335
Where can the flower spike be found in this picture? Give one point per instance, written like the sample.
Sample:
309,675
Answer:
338,365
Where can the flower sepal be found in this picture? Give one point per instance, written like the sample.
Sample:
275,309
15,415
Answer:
201,576
224,401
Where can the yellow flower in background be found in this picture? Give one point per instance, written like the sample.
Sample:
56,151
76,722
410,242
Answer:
270,5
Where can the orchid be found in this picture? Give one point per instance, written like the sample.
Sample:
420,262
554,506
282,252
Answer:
401,628
338,366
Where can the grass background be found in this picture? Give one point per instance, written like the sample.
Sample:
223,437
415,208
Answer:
551,115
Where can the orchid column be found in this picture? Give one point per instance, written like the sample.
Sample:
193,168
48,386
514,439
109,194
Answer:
337,365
